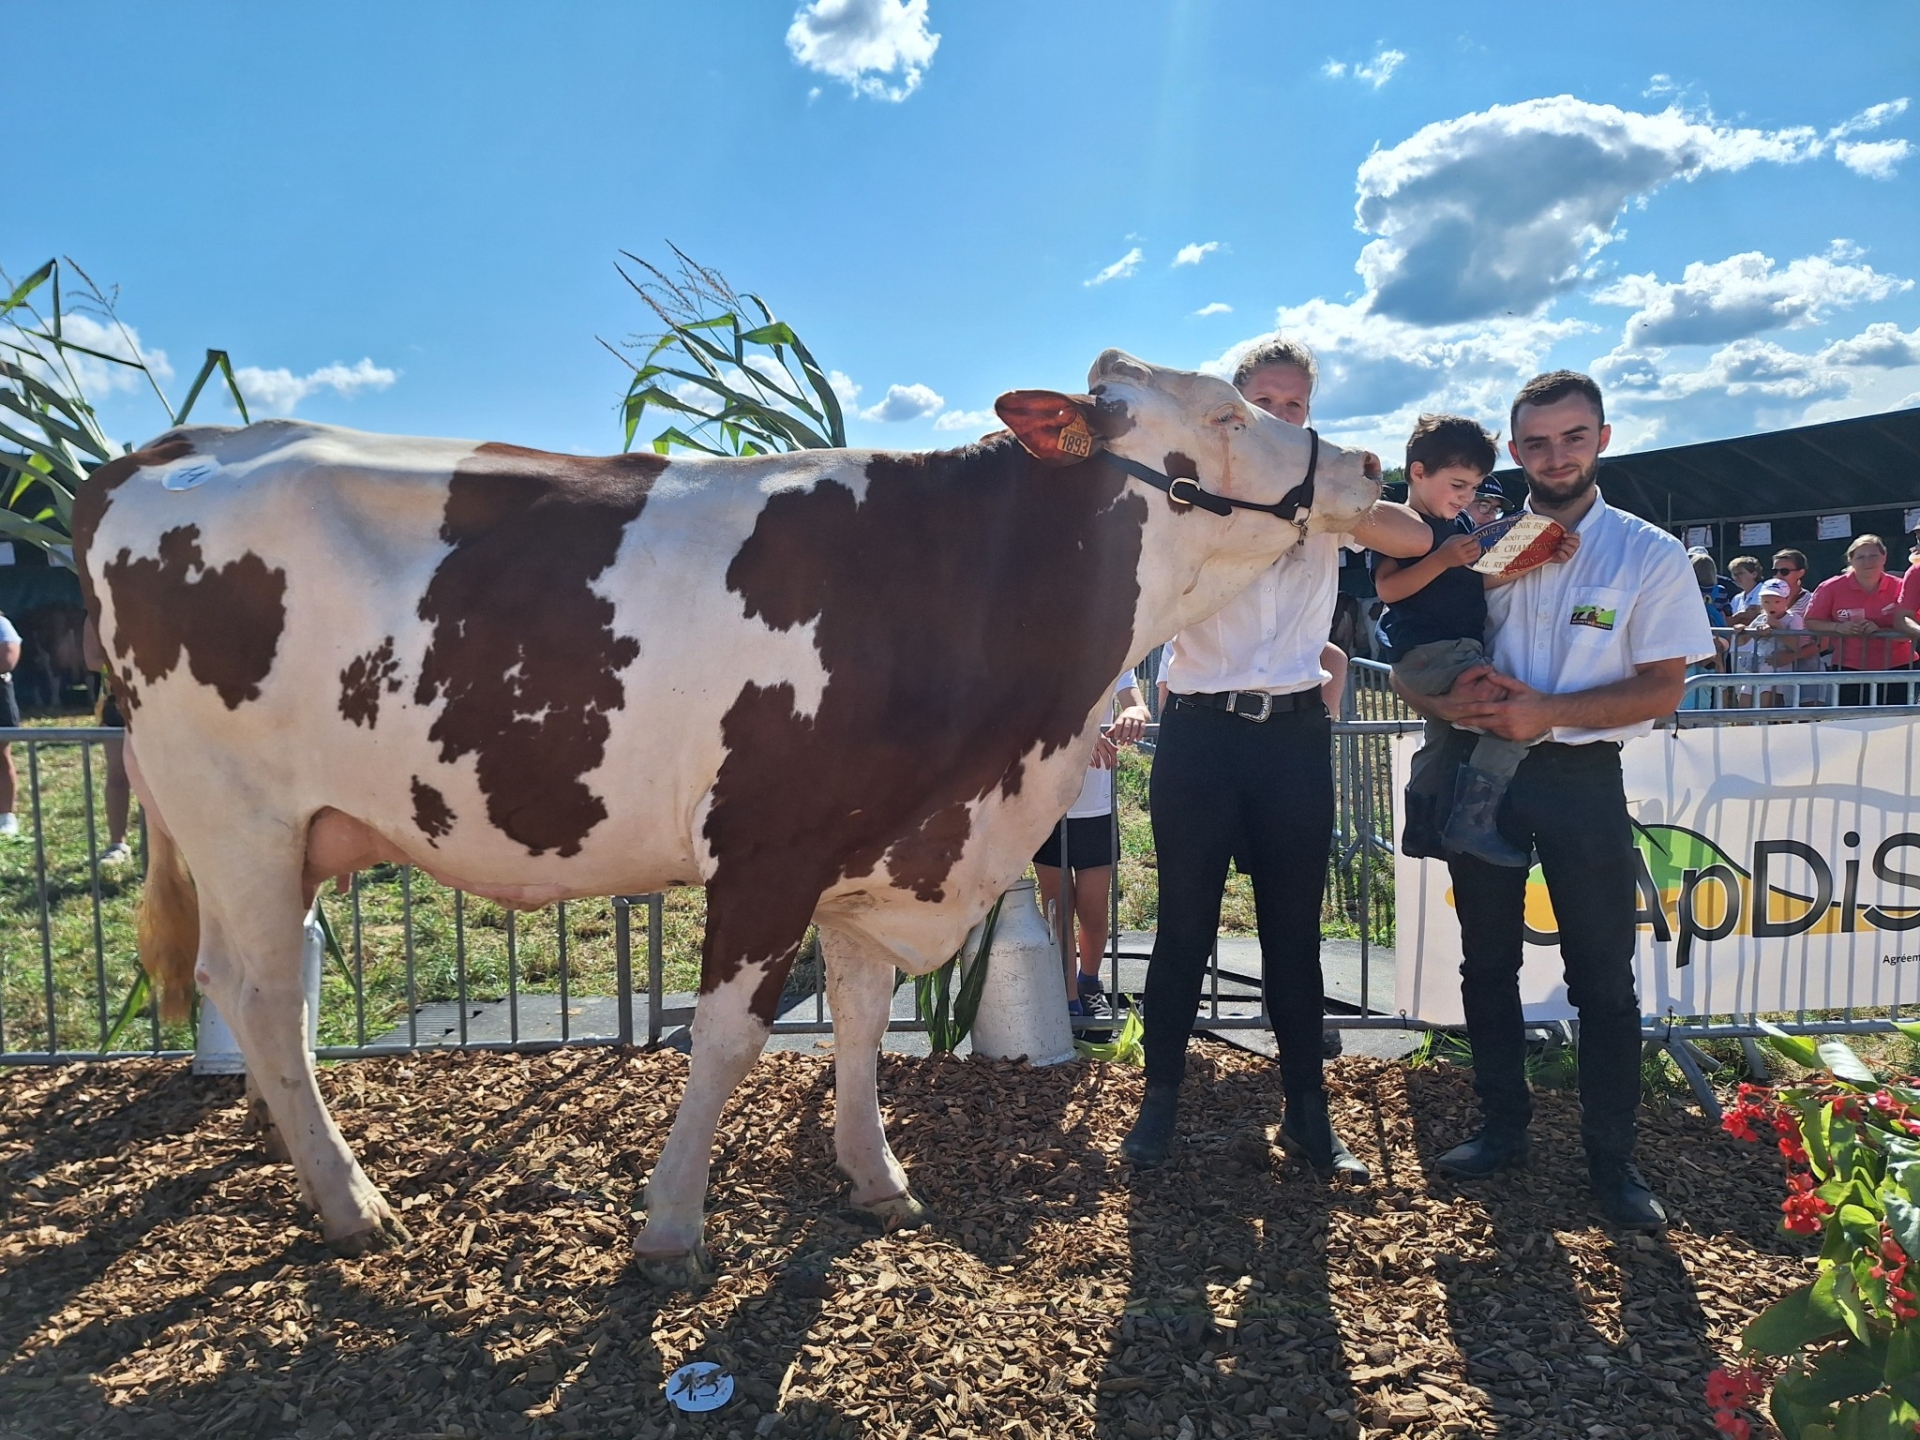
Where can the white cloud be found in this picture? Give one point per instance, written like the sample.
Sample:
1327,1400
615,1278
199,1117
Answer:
978,421
1375,72
1120,269
1498,211
1753,384
97,378
858,42
1217,307
1194,254
279,392
1869,119
1743,295
904,402
843,386
1875,159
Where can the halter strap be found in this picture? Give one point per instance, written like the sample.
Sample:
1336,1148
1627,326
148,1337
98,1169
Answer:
1186,490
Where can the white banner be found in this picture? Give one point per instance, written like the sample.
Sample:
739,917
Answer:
1816,817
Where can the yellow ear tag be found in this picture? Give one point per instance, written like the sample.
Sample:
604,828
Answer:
1076,439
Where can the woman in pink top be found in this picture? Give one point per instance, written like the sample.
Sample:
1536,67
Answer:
1856,603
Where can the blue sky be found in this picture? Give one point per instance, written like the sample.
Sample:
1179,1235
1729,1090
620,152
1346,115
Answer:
405,217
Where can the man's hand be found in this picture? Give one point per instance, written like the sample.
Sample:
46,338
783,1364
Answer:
1568,547
1523,713
1458,550
1479,686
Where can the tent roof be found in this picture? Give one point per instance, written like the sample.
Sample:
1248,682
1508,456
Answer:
1871,463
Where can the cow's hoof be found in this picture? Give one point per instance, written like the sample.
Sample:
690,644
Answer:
904,1211
689,1270
387,1234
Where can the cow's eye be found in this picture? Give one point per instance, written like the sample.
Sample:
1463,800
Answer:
1229,415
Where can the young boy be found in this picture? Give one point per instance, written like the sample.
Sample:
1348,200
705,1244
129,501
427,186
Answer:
1435,628
1781,644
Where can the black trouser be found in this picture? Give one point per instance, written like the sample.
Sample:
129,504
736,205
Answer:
1886,693
1568,803
1259,793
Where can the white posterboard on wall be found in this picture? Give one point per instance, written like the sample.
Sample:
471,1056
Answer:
1818,818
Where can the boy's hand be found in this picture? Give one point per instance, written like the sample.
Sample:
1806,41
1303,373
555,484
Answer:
1565,550
1459,550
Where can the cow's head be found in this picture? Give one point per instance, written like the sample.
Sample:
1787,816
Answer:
1182,424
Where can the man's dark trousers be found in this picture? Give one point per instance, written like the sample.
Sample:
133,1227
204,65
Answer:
1259,794
1567,801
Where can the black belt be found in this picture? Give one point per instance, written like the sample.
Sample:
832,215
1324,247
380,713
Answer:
1255,705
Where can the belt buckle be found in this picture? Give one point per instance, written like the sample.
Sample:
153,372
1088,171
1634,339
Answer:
1173,490
1266,704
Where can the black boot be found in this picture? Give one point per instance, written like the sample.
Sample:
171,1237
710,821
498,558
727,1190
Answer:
1307,1132
1151,1138
1495,1148
1471,829
1622,1195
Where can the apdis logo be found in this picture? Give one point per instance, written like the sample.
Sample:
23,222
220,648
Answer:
1691,889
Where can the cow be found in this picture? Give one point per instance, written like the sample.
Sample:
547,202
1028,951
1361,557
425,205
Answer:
853,688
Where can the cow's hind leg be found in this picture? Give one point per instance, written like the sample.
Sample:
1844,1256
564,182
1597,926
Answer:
860,978
730,1027
251,941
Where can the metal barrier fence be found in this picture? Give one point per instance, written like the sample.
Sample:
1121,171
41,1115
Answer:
418,965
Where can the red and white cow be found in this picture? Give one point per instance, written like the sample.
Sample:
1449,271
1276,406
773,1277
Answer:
847,687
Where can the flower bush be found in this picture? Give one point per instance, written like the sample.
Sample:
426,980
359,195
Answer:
1841,1356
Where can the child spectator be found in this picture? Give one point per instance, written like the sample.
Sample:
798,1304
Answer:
1435,627
1089,826
1489,504
1780,644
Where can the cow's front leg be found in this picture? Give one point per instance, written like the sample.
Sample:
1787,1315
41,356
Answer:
730,1026
860,990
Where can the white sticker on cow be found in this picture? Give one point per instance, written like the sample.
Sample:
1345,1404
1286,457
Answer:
188,476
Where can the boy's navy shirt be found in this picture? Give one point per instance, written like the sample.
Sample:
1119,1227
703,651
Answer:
1451,606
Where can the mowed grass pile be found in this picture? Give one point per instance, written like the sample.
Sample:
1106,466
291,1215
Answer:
89,949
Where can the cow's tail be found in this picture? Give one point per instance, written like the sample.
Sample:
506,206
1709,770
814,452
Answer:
169,924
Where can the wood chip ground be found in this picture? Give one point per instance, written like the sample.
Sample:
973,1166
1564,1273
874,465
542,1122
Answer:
159,1278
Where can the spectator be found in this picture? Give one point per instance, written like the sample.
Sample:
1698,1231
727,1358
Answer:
1904,613
1089,826
106,713
1715,592
1745,572
10,717
1488,505
1790,567
1855,604
1780,643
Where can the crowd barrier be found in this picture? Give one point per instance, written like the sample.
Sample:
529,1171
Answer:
419,966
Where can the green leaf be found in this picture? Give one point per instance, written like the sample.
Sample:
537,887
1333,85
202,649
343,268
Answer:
130,1008
1838,1060
1837,1289
21,528
1797,1048
216,360
1792,1323
1838,1374
26,287
966,1005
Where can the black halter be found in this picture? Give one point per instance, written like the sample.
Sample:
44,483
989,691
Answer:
1185,489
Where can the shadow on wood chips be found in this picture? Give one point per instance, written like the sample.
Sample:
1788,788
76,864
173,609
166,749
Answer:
157,1278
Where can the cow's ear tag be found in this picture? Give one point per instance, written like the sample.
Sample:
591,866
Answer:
1053,427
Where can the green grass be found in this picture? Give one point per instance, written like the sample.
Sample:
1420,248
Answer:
90,983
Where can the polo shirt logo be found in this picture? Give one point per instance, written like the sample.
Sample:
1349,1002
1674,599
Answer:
1592,616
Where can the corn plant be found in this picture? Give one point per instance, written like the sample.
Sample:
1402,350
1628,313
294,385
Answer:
48,421
949,1018
722,370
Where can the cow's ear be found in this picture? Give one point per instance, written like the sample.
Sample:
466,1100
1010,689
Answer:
1056,429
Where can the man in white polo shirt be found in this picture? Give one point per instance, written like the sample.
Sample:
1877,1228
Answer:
1584,656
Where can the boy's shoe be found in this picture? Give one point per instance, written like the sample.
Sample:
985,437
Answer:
1093,1004
8,824
1471,829
116,854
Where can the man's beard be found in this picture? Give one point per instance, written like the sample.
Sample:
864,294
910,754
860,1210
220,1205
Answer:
1560,494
